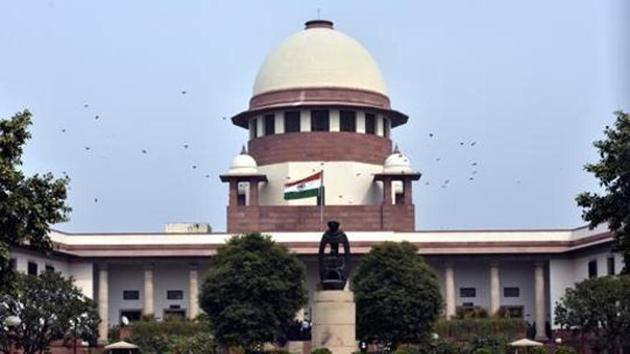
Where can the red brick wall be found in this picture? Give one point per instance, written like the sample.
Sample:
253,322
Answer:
307,218
320,146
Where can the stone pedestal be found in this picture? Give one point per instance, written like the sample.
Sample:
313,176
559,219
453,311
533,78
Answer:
334,321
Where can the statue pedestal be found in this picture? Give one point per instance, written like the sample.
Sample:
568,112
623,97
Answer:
334,321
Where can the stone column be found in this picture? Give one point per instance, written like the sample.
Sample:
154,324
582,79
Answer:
387,191
539,300
233,199
253,192
407,191
193,292
147,308
103,302
495,289
449,289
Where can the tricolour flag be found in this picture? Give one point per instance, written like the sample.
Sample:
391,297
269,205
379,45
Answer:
304,188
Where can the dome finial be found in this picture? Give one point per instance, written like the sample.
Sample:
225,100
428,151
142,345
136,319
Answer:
396,149
318,24
243,150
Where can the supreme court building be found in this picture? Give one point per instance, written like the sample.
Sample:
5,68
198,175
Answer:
320,103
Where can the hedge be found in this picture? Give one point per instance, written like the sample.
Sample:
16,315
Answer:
466,330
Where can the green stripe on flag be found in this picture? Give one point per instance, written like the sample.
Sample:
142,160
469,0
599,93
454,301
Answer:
301,194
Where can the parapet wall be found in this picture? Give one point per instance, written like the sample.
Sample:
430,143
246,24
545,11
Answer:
308,218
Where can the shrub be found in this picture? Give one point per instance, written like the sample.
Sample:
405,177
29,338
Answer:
482,351
466,330
495,344
565,350
444,346
321,351
538,350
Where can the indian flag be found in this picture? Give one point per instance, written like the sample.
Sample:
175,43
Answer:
304,188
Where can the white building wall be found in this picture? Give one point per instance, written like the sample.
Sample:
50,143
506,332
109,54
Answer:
473,275
520,275
124,277
83,275
170,277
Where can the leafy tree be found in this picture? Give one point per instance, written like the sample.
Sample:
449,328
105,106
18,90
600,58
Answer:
598,309
613,172
28,205
253,291
50,308
397,295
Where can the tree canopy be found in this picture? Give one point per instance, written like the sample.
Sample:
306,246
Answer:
397,295
613,171
28,205
598,309
252,291
50,308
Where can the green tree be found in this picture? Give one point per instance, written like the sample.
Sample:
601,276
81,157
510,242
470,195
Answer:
252,291
613,172
28,205
599,309
397,295
50,308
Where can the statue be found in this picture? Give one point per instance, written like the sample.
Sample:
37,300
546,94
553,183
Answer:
334,267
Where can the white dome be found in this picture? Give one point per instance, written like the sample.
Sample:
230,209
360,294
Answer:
397,163
243,164
319,57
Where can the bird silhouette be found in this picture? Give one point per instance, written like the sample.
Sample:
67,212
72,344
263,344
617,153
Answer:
194,167
184,92
224,118
63,130
438,159
97,117
461,143
430,135
144,151
474,164
95,200
470,178
185,146
85,105
474,172
87,148
473,143
207,176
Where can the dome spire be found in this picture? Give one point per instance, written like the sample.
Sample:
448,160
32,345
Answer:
243,150
396,150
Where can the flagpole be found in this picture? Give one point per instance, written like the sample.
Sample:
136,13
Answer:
321,201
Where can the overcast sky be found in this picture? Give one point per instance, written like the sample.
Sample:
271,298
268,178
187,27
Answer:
533,83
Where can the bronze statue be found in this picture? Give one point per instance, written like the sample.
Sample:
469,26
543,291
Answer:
334,267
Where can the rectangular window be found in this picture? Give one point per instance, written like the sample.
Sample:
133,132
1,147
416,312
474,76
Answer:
468,304
611,265
370,124
292,122
320,121
174,294
592,269
348,121
270,124
131,294
32,268
386,127
49,268
511,292
467,292
132,315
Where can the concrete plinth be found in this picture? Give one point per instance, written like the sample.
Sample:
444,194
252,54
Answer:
334,321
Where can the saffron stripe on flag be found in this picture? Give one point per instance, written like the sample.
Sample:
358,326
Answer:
316,176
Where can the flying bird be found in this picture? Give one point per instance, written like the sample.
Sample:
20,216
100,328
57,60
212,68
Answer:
447,181
473,143
474,164
474,172
224,118
430,135
438,159
207,176
85,105
97,117
194,166
185,146
144,151
95,200
63,130
87,148
183,92
461,143
470,178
